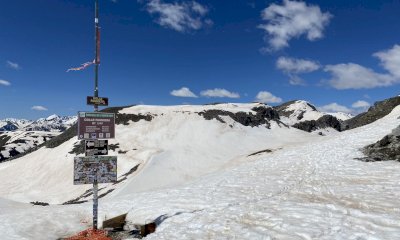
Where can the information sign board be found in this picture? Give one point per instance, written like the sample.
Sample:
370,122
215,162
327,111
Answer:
86,169
96,125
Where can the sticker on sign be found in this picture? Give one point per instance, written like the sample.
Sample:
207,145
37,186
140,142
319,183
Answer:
102,168
96,125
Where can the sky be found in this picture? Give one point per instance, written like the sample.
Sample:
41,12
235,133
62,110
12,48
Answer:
339,55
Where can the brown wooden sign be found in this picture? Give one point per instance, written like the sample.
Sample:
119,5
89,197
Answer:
99,101
96,125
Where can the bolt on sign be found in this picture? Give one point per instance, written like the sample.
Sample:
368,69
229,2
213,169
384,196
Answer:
96,125
102,168
99,101
96,147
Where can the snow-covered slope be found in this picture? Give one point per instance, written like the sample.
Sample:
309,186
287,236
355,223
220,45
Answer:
17,142
210,179
177,145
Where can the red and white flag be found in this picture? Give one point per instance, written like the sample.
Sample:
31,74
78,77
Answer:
83,66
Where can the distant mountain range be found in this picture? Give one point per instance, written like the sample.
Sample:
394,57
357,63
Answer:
20,135
53,123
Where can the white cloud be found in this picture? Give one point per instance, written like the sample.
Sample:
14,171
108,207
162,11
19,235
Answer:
295,65
293,19
13,65
334,107
267,97
39,108
354,76
183,92
181,17
4,82
390,60
360,104
219,92
296,80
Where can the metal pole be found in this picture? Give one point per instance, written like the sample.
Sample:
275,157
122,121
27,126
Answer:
96,108
97,52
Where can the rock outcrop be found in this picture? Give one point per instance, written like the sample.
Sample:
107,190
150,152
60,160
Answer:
388,148
379,110
326,121
262,117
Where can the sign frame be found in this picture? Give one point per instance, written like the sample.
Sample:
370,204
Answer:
95,133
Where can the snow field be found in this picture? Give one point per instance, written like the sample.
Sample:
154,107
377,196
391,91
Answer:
309,188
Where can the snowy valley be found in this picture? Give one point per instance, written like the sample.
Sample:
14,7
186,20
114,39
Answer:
222,171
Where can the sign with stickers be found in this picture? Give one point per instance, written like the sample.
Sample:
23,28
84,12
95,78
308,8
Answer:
102,168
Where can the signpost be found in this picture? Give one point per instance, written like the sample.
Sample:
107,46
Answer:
96,147
100,169
92,126
97,101
96,125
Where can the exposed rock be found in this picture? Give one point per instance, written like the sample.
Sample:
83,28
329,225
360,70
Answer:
259,152
40,203
379,110
323,122
3,140
388,148
262,117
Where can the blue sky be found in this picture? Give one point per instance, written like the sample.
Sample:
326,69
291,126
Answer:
339,55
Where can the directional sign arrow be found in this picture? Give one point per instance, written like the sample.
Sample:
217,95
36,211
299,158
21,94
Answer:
90,143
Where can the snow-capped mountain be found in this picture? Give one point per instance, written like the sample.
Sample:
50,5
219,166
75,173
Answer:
12,124
299,111
18,136
224,167
305,116
53,123
341,115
